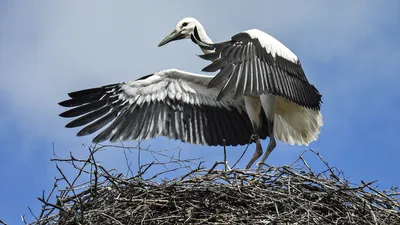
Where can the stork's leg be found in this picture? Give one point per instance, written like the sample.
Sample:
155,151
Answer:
253,108
268,102
256,154
270,147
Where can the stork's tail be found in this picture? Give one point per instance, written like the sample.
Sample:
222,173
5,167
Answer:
295,124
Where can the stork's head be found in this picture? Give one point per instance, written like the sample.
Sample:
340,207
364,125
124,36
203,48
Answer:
183,30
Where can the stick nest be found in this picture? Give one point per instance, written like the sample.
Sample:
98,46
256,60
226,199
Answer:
276,195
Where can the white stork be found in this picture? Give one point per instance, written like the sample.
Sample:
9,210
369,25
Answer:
255,66
261,90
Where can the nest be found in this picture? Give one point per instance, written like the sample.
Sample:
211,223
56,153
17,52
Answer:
276,195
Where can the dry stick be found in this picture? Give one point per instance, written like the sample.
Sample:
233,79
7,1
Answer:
159,161
71,160
226,164
23,219
30,210
368,185
185,163
192,172
215,165
109,177
297,160
139,164
372,213
51,192
128,164
72,189
48,198
91,156
81,169
244,152
146,149
52,205
144,171
306,164
164,172
112,218
326,163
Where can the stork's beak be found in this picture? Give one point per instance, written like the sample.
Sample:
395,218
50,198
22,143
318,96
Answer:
173,36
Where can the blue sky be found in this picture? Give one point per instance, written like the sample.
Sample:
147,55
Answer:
349,50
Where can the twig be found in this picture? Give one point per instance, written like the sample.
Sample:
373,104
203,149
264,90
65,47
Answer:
244,152
225,162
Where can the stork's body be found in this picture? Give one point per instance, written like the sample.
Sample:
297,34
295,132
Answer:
259,68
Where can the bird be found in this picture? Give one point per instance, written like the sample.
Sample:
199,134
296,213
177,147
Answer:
267,75
207,109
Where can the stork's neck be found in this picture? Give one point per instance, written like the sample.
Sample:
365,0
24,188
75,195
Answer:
204,38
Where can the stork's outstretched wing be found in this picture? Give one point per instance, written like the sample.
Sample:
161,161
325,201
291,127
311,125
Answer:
254,63
170,103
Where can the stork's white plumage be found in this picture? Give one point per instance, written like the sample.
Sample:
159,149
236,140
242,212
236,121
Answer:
260,90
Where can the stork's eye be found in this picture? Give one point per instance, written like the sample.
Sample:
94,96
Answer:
184,24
